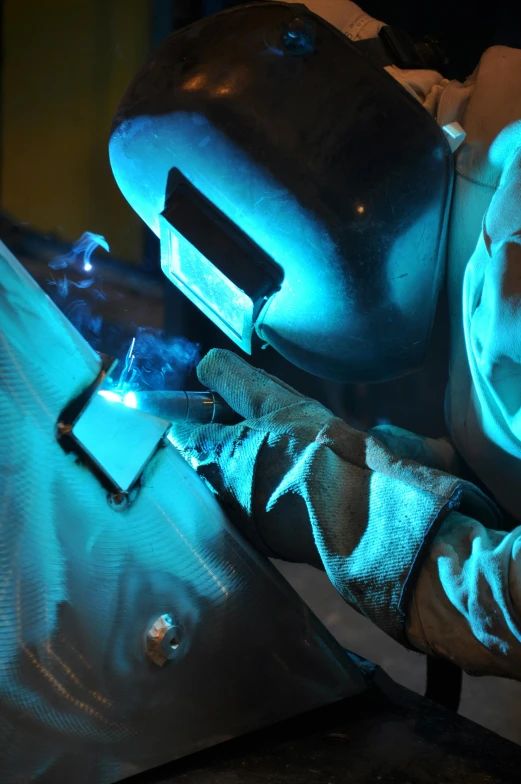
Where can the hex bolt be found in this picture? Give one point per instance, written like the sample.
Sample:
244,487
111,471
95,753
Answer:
163,640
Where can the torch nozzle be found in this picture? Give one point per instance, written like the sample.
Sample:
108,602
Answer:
197,407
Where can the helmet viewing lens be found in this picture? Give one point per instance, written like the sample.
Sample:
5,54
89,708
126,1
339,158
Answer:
213,262
206,286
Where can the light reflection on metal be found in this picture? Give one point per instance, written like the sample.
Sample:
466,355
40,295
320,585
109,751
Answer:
197,407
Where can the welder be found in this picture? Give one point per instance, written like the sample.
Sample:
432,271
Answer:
309,170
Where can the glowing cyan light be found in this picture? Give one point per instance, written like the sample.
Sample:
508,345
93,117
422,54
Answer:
87,266
108,394
130,400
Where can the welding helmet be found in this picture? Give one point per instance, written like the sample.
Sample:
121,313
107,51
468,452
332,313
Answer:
299,192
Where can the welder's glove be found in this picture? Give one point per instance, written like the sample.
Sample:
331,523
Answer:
304,486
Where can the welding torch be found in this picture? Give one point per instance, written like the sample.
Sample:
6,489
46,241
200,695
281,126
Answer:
197,407
94,426
174,406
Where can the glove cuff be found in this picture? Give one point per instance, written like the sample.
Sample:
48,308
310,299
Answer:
377,574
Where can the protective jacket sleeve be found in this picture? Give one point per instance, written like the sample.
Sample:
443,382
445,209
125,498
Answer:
304,486
467,602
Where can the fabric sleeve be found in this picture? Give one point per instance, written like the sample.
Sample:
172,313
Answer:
303,485
484,397
467,600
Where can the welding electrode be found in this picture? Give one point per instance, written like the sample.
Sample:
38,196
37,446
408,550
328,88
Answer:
200,407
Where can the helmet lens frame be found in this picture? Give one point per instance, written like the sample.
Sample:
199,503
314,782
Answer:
213,262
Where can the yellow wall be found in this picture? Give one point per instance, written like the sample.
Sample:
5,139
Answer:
66,65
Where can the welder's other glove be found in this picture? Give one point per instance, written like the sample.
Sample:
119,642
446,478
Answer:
304,486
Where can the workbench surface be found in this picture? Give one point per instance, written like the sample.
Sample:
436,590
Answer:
387,735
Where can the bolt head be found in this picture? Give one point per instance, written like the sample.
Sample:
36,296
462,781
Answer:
163,640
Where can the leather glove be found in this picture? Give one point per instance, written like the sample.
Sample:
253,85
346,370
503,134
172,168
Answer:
305,486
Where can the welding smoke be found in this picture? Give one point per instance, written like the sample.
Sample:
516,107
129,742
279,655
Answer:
83,248
79,311
160,362
155,362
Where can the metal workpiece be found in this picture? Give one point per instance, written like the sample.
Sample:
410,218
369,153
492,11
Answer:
79,698
116,433
108,438
163,640
118,440
179,406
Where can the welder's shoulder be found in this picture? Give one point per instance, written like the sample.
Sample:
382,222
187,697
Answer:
490,113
